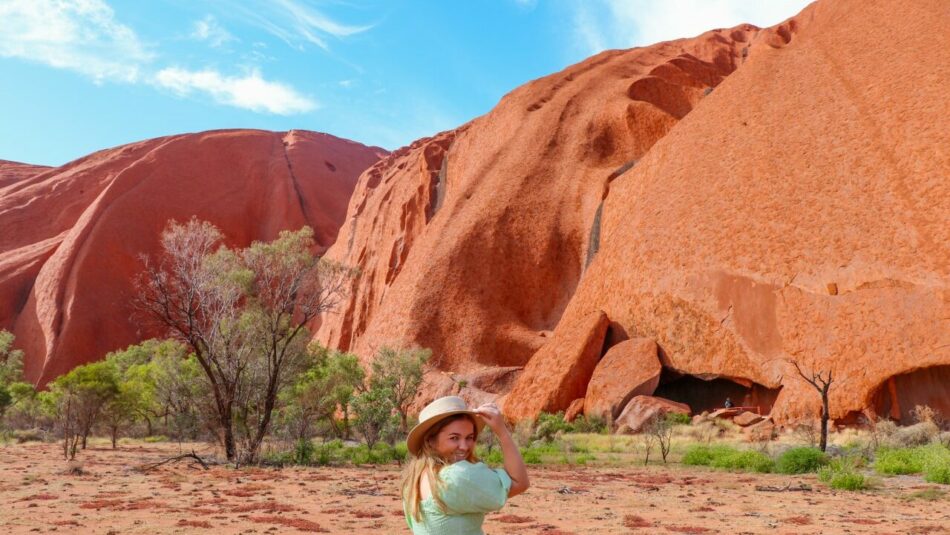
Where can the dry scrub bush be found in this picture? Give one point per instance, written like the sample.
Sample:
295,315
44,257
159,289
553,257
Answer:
915,435
924,413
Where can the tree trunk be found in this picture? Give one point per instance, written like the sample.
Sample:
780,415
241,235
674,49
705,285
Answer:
148,426
824,421
115,433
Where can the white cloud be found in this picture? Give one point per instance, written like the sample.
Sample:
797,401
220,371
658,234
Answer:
79,35
629,23
208,29
250,91
295,22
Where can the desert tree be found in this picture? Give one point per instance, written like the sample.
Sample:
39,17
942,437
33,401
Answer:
660,428
243,314
76,401
324,391
821,381
375,416
399,372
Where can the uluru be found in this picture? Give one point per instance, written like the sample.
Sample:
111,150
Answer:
686,220
746,200
74,236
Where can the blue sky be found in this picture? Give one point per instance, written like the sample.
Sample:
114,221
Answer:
83,75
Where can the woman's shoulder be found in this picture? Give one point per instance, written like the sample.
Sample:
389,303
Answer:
465,472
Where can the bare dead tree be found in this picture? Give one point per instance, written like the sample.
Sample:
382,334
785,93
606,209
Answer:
821,381
243,313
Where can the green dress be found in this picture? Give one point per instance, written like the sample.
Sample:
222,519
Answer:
469,491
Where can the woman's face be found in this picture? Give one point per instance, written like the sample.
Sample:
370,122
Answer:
455,441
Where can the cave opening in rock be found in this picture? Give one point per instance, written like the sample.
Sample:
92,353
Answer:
898,395
710,394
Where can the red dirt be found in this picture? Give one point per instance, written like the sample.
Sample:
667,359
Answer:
111,497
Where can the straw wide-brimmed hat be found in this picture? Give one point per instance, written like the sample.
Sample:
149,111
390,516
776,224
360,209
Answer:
434,413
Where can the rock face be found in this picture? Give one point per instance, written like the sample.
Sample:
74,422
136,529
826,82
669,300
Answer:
642,409
630,368
745,198
73,235
483,273
558,373
11,172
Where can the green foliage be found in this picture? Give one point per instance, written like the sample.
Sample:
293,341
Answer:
703,455
325,388
932,460
11,360
151,439
549,425
800,461
843,474
374,414
678,418
491,457
727,457
897,461
747,461
531,455
399,373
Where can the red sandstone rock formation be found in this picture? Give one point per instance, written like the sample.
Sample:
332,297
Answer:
11,172
800,210
641,409
483,276
559,372
72,235
630,368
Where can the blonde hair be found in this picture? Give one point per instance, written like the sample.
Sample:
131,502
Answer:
428,463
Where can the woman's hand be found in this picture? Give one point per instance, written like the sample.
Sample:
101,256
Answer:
491,414
514,464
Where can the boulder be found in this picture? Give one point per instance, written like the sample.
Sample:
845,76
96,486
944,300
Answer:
558,374
575,409
758,432
630,368
745,419
641,409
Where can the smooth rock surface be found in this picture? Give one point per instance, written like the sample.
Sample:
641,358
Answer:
72,235
641,409
630,368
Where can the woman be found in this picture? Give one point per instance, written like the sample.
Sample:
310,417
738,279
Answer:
445,489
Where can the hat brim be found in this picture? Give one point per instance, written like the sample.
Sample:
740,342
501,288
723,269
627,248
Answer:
416,435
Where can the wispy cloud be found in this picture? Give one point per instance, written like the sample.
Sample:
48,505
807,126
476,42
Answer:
208,29
81,36
628,23
250,91
84,36
296,22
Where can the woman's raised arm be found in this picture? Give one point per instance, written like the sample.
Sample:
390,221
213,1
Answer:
514,464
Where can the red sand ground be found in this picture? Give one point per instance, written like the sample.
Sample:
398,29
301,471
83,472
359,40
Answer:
36,496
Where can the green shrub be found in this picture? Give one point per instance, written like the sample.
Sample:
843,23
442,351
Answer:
939,474
678,418
897,461
549,425
703,455
592,424
493,457
800,461
303,451
842,474
748,461
155,438
584,458
531,456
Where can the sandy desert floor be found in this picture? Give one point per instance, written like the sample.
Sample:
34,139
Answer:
112,497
